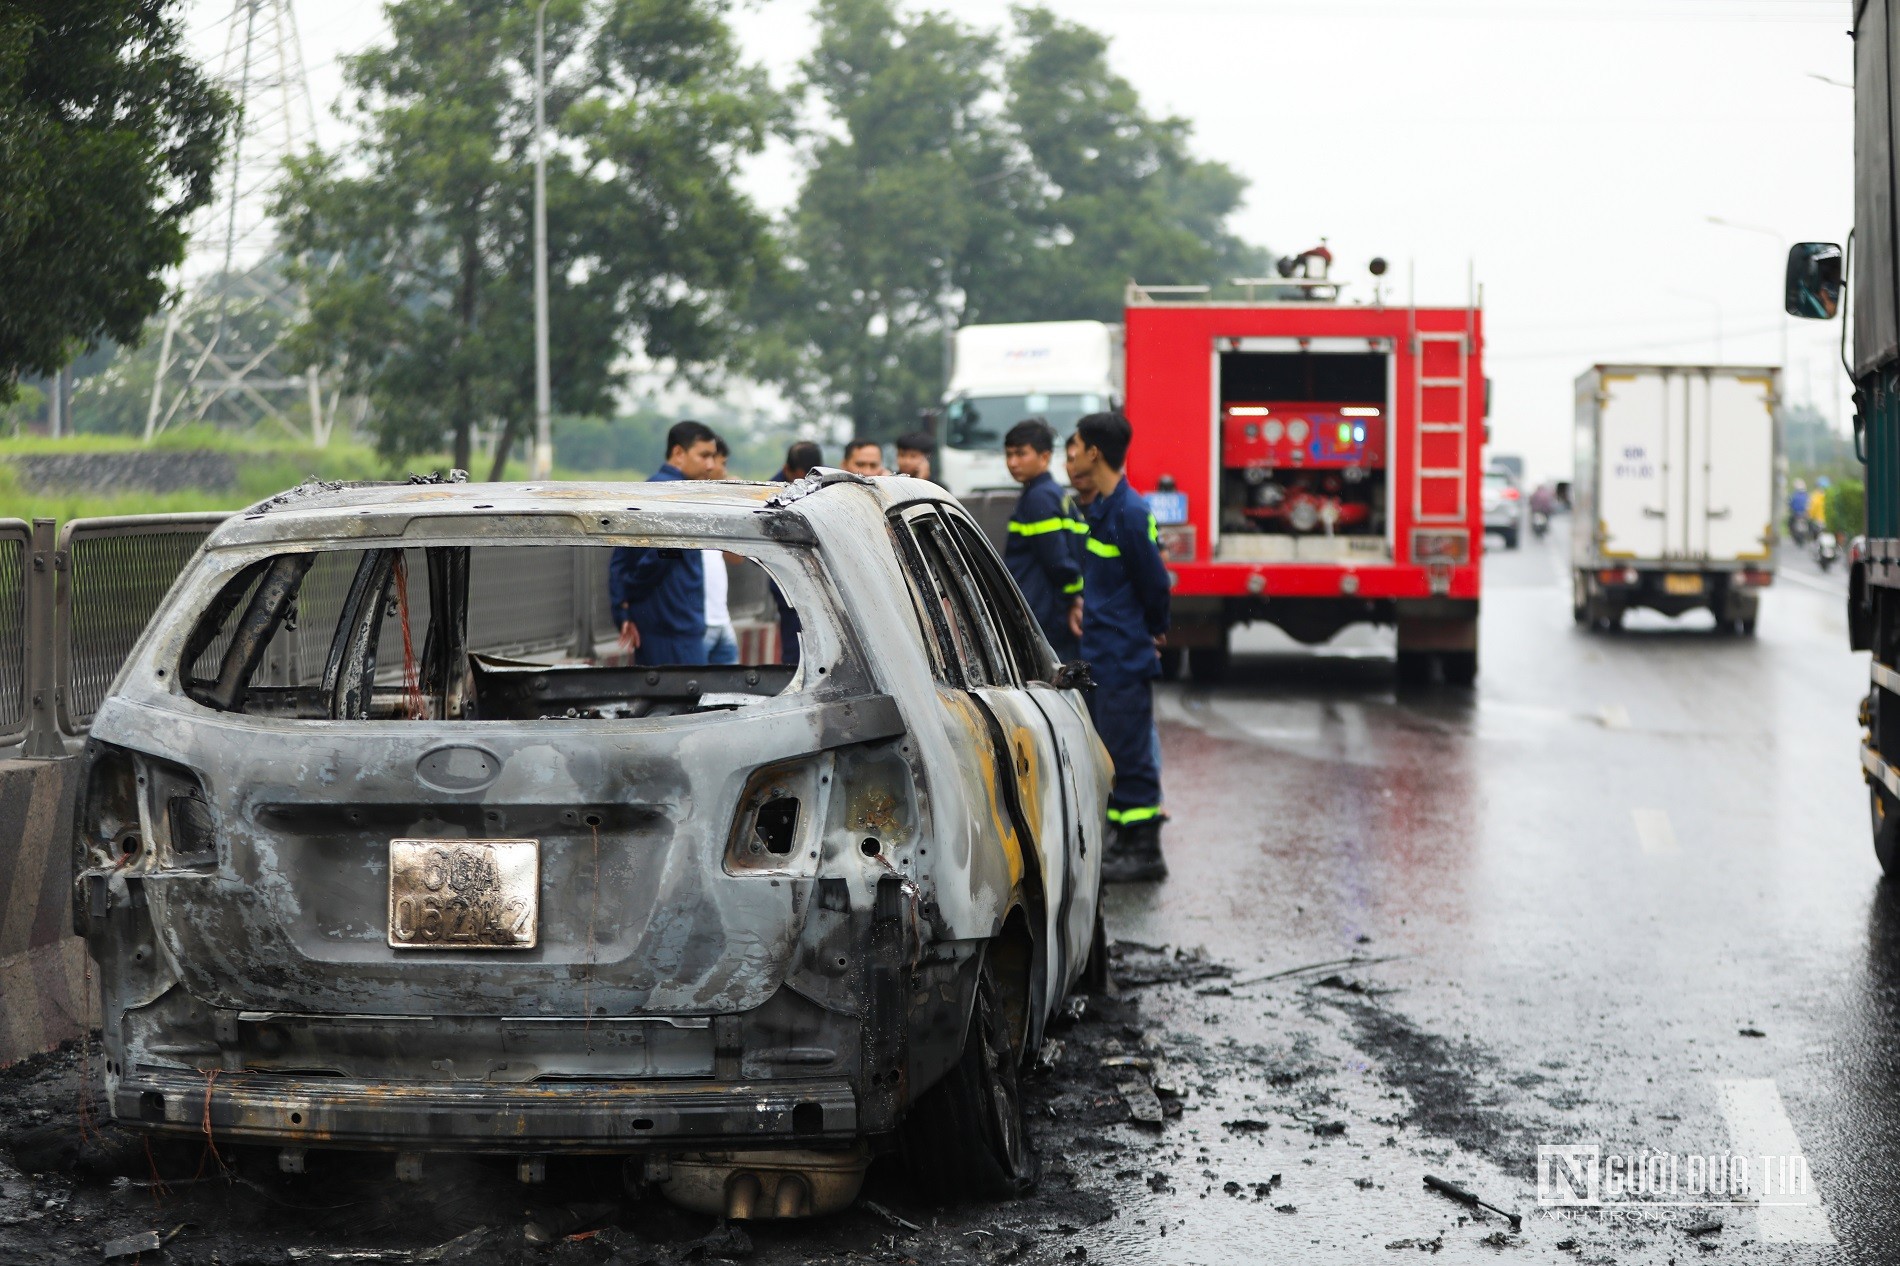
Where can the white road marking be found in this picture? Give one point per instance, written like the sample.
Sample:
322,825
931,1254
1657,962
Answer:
1614,716
1653,830
1759,1128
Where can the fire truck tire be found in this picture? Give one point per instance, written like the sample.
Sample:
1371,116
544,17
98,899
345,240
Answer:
1207,665
1415,668
1460,667
1886,822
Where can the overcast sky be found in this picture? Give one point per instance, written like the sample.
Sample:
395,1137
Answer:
1571,151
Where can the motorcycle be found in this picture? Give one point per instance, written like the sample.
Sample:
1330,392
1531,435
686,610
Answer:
1540,522
1826,549
1800,529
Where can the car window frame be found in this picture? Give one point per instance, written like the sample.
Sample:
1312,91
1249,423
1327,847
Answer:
1008,613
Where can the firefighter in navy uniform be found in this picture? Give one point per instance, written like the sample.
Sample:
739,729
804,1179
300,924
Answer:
1123,618
1044,536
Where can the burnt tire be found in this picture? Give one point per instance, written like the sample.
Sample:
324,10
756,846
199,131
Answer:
965,1137
1886,823
1460,667
1415,668
1095,977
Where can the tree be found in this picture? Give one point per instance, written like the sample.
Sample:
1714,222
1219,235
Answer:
1124,196
958,178
907,200
109,136
417,243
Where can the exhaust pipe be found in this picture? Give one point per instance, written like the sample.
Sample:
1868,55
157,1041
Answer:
753,1186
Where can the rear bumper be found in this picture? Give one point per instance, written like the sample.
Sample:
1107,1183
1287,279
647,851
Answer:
298,1112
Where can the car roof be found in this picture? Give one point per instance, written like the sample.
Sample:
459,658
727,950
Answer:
316,510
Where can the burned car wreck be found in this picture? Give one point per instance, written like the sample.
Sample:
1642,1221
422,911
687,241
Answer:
352,882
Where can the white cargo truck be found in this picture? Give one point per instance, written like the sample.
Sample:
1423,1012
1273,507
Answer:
1001,374
1674,492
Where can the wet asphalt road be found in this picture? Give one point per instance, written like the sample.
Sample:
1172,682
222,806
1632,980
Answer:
1582,881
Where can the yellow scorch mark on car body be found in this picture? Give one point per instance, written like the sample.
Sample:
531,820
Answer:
1002,829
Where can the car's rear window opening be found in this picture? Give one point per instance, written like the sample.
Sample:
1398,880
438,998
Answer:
489,632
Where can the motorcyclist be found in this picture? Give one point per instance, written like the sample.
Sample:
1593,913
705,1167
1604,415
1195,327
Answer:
1798,512
1817,505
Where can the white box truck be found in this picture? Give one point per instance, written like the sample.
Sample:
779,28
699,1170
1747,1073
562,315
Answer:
1674,492
1001,374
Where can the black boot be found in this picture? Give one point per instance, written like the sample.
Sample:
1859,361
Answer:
1134,854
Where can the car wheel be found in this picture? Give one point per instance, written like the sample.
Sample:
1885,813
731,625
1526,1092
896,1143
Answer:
1510,539
965,1138
1886,818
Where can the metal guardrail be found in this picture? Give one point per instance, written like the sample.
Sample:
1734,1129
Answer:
110,575
16,554
74,603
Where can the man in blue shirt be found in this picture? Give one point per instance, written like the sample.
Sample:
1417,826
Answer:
1123,620
1044,536
659,595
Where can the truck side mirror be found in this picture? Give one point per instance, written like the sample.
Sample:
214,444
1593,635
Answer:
1813,289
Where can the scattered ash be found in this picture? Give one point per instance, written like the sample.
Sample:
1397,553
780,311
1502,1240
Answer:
73,1187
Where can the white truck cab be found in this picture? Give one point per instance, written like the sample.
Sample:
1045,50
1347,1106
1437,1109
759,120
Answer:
1057,370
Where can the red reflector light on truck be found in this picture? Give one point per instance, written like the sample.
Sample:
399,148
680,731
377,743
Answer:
1441,547
1757,579
1618,576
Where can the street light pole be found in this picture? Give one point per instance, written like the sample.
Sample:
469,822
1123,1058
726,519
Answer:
1715,308
543,465
1780,241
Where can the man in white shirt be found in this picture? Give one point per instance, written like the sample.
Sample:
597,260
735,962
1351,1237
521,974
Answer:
722,645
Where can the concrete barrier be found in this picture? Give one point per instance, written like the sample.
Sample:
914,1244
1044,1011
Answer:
43,995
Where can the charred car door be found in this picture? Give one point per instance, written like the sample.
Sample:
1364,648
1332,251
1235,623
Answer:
1024,775
1084,770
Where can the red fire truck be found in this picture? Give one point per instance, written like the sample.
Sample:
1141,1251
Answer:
1312,464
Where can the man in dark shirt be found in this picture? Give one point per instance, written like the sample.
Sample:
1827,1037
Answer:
799,460
1045,532
913,455
659,595
1124,617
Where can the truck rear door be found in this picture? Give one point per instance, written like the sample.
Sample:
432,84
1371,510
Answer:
1736,439
1634,456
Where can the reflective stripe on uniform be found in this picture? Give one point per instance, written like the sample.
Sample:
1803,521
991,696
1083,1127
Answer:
1122,817
1041,527
1103,549
1074,586
1154,533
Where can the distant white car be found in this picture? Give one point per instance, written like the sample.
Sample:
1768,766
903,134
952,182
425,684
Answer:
1503,506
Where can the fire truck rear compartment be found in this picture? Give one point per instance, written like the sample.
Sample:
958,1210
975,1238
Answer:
1303,456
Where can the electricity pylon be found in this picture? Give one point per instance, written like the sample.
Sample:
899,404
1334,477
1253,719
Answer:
221,356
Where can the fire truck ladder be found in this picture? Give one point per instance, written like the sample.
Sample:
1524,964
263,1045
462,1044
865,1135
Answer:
1436,423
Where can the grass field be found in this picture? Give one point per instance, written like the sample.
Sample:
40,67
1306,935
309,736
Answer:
263,469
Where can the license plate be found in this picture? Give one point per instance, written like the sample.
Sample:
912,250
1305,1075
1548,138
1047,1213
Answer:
1681,583
464,894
